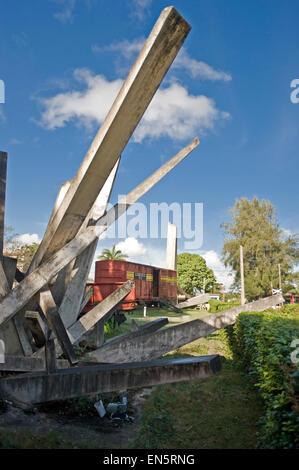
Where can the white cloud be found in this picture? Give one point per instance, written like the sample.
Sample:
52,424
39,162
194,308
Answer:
127,49
24,239
286,232
177,114
173,112
198,68
132,247
66,13
223,274
195,68
85,107
140,8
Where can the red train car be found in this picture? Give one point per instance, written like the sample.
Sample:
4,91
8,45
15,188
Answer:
151,283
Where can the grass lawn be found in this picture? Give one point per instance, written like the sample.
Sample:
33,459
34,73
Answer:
218,412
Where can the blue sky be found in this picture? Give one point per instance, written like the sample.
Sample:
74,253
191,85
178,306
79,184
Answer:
63,61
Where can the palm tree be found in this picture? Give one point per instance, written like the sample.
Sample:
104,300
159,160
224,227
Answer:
112,254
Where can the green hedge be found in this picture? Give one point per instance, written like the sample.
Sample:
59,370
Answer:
217,306
262,343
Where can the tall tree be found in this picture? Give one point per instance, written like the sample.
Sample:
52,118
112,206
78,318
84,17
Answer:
112,254
254,226
194,273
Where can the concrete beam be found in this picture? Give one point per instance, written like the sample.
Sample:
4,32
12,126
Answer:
4,286
70,304
86,298
154,345
10,266
132,101
150,327
38,387
100,313
27,364
198,299
171,249
48,306
3,173
13,335
34,282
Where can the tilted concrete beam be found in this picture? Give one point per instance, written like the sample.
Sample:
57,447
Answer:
70,306
155,345
198,299
35,281
132,101
171,248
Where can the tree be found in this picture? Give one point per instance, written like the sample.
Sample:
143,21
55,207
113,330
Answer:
192,270
255,227
112,254
14,249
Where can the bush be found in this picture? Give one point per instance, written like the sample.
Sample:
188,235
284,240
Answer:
217,306
262,343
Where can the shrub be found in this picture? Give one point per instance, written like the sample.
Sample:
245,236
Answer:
217,306
262,343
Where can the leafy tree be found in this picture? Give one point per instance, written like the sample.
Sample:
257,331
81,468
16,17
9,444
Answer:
14,249
112,254
255,227
192,270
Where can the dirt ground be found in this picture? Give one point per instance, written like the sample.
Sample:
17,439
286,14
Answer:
82,431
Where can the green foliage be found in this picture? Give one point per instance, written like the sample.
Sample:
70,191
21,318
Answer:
262,343
217,306
254,226
192,270
112,254
290,308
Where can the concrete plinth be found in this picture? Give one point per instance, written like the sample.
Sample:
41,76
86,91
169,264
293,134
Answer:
70,383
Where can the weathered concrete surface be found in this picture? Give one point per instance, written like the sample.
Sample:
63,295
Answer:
49,308
198,299
150,327
10,266
154,345
70,306
171,248
79,381
37,327
4,286
86,298
27,364
100,312
132,101
3,173
35,281
9,333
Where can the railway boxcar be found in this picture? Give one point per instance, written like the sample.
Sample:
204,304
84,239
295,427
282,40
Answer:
151,283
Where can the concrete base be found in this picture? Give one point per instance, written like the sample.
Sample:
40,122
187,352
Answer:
27,364
28,389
